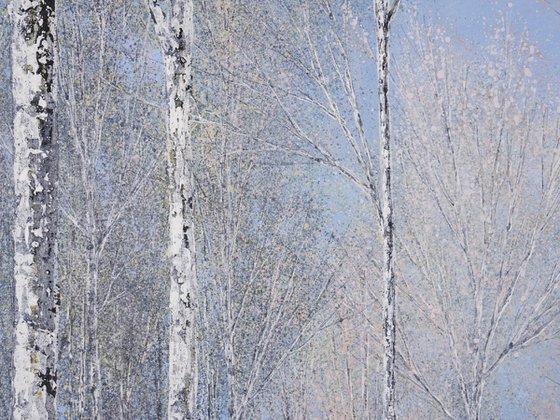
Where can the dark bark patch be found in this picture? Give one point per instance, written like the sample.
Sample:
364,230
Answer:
48,380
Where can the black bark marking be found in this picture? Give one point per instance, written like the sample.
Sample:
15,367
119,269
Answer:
186,236
178,102
48,380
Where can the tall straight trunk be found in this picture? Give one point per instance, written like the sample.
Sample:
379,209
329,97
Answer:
384,15
175,38
35,175
229,353
92,404
226,10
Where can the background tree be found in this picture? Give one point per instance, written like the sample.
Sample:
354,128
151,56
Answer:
481,187
258,260
112,191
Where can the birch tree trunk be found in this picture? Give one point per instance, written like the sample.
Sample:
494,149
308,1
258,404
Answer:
384,15
175,39
35,175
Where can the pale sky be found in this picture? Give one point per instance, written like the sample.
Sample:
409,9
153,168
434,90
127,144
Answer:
540,17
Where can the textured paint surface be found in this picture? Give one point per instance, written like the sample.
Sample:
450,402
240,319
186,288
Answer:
299,251
35,174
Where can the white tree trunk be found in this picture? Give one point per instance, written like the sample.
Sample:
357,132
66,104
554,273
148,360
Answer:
229,353
176,42
35,174
383,17
90,401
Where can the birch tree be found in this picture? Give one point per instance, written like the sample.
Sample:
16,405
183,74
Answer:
175,34
35,176
384,14
331,90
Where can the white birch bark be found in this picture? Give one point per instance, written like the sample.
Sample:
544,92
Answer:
384,14
35,175
175,38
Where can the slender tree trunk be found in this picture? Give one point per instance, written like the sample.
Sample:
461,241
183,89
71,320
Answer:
176,44
93,365
365,378
229,353
383,17
90,386
477,394
159,370
35,174
83,364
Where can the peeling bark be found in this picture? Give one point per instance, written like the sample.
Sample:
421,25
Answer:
175,38
35,175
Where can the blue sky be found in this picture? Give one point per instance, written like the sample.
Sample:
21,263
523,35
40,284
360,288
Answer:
540,17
